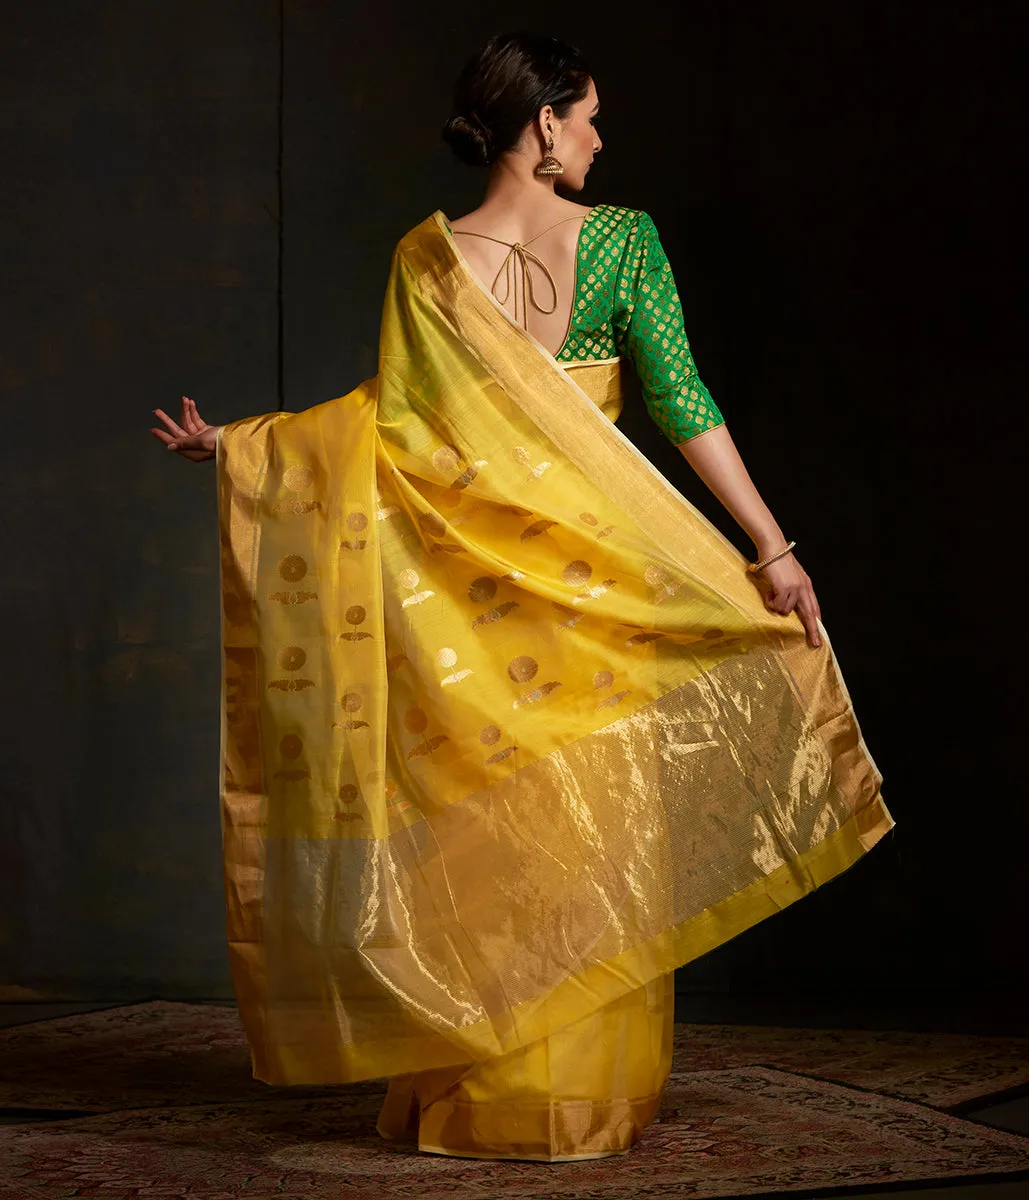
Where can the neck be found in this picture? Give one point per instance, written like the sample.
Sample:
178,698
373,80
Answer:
511,184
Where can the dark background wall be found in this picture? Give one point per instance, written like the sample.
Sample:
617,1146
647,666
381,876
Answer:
834,186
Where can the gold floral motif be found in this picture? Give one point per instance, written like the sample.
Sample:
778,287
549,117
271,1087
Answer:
494,614
447,658
297,479
523,668
298,508
349,793
291,685
664,585
571,617
351,702
291,658
467,475
520,454
292,597
433,524
446,459
357,522
595,592
641,639
482,589
408,579
544,689
415,721
384,511
604,679
489,736
535,529
576,573
291,746
354,615
293,568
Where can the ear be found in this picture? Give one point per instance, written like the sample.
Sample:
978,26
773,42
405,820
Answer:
546,122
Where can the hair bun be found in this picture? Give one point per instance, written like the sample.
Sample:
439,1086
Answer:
469,138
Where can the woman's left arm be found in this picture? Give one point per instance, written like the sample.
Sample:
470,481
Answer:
714,457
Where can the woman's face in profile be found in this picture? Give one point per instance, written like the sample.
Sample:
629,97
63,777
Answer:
578,140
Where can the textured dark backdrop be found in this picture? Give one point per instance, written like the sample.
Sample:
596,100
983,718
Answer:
832,184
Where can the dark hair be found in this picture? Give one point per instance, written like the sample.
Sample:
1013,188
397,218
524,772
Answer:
503,86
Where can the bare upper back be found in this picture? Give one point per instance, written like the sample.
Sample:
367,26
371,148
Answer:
526,257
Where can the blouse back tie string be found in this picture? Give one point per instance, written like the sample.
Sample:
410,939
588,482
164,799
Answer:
518,256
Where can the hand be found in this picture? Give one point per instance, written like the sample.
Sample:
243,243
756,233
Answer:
193,438
789,587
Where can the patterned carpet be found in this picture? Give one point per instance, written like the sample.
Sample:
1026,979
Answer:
748,1110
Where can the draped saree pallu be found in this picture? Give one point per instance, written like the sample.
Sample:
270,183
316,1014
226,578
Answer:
508,735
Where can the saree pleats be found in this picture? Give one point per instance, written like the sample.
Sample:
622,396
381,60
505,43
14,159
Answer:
508,735
587,1090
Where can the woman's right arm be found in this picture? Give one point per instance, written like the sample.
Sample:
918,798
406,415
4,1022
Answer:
191,436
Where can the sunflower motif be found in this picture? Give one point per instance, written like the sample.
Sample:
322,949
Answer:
297,479
482,590
522,668
577,572
291,658
293,568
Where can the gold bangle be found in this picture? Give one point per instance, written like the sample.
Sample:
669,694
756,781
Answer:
754,567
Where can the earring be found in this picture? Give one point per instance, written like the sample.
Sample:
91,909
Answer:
549,165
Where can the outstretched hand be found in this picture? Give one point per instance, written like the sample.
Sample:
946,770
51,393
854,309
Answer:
788,587
191,437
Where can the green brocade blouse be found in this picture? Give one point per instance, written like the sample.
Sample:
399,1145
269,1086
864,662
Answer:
627,305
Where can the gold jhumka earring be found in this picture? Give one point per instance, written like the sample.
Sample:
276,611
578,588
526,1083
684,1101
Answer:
548,164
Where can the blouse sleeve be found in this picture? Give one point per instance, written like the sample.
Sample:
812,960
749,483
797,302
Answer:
649,329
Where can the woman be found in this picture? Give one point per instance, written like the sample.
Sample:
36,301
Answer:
510,731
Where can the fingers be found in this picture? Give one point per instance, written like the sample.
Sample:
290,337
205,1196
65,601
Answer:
191,419
188,419
801,597
809,619
177,430
188,441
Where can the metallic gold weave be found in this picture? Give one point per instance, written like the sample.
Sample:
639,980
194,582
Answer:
508,731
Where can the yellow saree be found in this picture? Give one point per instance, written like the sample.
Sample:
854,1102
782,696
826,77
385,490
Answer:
508,735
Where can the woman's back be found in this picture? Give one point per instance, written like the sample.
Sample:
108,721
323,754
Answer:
488,243
603,272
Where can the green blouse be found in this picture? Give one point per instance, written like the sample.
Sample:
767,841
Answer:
627,303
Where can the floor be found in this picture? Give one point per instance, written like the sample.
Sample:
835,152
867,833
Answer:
996,1014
